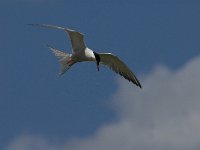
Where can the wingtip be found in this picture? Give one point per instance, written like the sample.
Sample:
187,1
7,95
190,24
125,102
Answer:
139,85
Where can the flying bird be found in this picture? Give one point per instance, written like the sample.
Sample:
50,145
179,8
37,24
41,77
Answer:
81,53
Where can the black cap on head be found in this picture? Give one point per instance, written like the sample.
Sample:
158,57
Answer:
97,57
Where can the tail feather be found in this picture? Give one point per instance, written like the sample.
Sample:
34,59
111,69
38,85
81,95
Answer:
64,58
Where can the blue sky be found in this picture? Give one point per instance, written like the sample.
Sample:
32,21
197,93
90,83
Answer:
35,102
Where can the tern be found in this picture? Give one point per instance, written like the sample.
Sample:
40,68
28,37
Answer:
81,53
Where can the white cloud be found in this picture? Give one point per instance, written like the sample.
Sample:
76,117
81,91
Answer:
27,142
165,114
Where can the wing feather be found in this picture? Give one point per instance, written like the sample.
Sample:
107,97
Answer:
115,64
77,38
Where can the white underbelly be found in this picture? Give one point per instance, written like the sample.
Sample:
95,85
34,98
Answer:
84,55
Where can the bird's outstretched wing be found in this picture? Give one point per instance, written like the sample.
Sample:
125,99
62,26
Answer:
77,38
114,63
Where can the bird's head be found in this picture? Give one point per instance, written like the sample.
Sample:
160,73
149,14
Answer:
98,59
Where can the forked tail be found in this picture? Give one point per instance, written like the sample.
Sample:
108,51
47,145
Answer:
64,59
